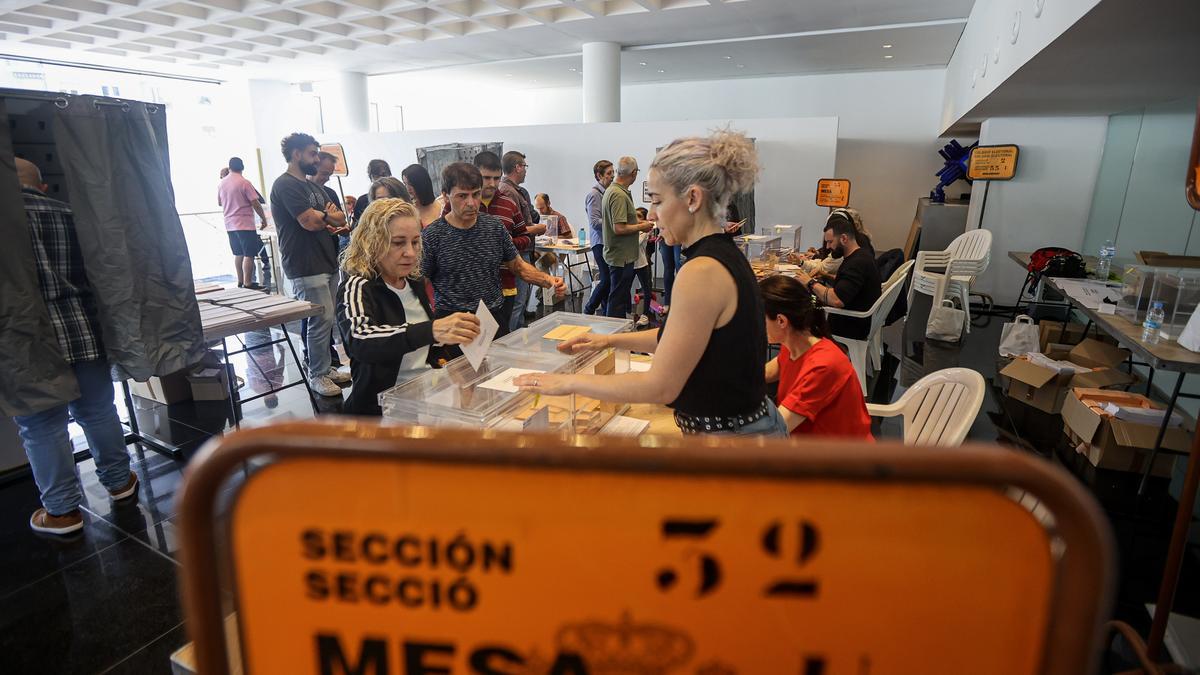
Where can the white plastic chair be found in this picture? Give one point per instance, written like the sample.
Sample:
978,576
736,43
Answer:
939,409
872,347
939,273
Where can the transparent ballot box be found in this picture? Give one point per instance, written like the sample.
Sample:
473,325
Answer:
460,396
550,331
1136,285
755,246
789,235
1179,292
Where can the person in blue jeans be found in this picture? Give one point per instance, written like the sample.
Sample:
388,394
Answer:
672,259
604,173
68,298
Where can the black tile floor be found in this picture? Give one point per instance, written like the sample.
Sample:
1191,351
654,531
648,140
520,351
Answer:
105,601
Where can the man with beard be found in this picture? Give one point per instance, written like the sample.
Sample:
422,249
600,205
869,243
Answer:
462,252
509,212
305,218
857,285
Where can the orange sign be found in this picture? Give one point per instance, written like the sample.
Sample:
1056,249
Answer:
335,149
1192,180
833,192
416,567
993,162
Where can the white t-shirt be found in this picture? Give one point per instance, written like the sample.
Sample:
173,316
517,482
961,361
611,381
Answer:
416,361
642,260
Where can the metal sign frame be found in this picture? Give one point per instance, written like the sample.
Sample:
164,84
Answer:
1081,581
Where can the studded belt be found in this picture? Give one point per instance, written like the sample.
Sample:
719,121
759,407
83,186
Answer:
699,424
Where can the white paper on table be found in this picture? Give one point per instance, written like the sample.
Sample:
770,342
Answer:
787,267
477,349
1089,294
504,381
624,426
639,366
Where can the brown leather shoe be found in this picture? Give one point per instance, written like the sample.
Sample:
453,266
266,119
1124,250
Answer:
129,490
42,521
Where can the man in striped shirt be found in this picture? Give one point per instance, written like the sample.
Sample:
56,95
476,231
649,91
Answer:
463,251
68,297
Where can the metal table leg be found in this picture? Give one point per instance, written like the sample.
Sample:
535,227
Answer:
231,384
1162,431
312,398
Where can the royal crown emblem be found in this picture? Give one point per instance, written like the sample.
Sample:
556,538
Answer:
625,647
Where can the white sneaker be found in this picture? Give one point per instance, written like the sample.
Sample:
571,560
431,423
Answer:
339,376
643,321
324,386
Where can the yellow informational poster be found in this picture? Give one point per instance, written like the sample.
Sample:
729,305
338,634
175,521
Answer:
993,162
426,567
833,192
335,149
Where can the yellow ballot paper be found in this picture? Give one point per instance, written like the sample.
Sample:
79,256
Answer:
566,332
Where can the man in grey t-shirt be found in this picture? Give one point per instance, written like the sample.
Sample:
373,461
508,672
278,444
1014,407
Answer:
463,251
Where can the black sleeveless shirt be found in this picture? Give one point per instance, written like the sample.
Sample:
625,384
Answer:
729,379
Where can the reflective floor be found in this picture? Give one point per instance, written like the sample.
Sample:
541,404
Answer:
105,600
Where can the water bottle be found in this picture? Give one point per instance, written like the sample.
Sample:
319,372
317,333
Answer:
1152,326
583,236
1107,252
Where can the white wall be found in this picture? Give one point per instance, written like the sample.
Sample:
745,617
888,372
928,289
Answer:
1047,203
887,131
999,38
792,151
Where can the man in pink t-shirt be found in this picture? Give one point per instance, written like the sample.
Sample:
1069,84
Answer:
239,199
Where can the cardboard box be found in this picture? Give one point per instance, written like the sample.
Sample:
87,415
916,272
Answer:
166,389
1046,389
1111,443
209,384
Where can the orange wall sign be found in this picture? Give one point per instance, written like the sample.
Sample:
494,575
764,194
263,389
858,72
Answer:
335,149
833,192
1192,181
412,567
993,162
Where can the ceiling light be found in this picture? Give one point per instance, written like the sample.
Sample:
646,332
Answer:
741,65
887,56
641,63
662,71
727,58
887,46
572,69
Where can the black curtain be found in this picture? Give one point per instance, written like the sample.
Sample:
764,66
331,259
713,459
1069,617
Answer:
137,260
36,376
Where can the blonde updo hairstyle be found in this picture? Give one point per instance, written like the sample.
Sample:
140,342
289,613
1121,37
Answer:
722,165
372,237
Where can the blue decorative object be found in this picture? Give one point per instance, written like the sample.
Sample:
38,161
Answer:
956,157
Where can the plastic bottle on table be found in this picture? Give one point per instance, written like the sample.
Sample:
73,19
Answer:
583,236
1152,326
1107,252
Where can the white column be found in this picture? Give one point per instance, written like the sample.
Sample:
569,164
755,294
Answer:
601,82
348,110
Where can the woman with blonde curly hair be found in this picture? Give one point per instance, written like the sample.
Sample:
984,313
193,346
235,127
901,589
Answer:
383,311
711,351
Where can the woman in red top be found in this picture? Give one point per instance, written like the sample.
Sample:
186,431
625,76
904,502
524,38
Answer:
818,391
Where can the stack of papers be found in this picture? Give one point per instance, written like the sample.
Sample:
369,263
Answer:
1060,367
1153,416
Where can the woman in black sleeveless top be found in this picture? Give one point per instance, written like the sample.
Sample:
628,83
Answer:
710,354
